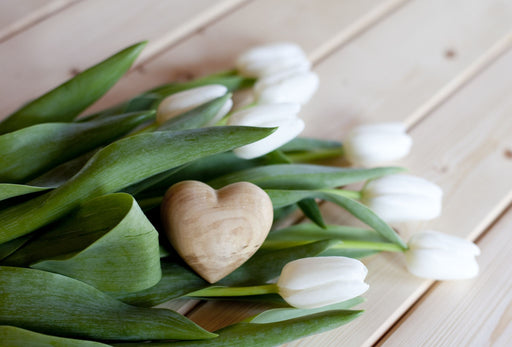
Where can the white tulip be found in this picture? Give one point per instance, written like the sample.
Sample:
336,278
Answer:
439,256
269,59
189,99
317,282
283,116
288,86
403,198
377,143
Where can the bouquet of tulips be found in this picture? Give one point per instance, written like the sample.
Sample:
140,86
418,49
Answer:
179,192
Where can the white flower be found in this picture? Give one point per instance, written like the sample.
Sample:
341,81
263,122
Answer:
269,59
377,143
189,99
403,198
283,116
439,256
288,86
317,282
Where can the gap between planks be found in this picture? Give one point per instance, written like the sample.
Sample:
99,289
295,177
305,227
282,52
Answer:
38,15
167,42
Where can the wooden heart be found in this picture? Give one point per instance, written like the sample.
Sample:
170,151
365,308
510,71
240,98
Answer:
216,231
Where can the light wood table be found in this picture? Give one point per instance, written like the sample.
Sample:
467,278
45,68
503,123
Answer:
442,67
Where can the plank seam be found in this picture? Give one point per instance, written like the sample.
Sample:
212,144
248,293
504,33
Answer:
34,18
355,30
458,82
174,38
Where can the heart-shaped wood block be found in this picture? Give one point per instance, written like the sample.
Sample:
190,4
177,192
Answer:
216,231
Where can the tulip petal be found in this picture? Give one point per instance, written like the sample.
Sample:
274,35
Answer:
286,131
377,143
184,101
440,256
290,87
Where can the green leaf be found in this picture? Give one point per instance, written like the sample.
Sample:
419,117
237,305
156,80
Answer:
15,337
176,281
306,232
203,169
301,176
302,144
31,151
281,198
63,172
311,210
66,101
273,334
281,314
107,243
6,249
312,232
11,190
120,165
53,304
266,265
197,117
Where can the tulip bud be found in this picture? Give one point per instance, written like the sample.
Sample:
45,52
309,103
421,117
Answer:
403,198
273,58
439,256
283,116
187,100
377,143
288,86
317,282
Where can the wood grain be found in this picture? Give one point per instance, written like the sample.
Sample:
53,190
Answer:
16,15
408,64
216,47
50,52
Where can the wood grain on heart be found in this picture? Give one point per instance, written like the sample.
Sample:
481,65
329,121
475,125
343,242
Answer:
216,231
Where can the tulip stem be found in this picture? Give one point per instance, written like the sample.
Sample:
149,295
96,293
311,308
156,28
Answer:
376,246
351,194
315,155
235,291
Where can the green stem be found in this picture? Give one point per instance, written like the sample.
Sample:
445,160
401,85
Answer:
235,291
376,246
349,244
351,194
315,155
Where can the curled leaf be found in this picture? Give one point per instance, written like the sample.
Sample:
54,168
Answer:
107,243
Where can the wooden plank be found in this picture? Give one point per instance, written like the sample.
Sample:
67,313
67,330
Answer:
52,51
16,15
408,64
475,312
464,147
348,83
215,48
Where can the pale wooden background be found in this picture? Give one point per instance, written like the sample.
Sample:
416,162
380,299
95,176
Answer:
442,67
